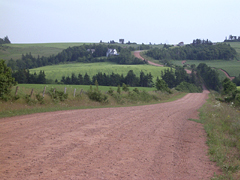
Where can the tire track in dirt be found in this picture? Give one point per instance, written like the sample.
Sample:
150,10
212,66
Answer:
143,142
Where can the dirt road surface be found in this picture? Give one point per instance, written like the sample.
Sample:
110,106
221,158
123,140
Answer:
137,54
227,75
143,142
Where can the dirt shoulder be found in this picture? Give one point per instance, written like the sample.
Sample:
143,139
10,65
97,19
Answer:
143,142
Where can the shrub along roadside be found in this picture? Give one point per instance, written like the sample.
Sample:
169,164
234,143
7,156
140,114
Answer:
135,96
222,124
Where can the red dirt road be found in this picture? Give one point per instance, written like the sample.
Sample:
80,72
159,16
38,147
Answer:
143,142
229,77
137,54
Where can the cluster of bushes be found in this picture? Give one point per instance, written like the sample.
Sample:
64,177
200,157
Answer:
198,50
188,87
129,96
230,93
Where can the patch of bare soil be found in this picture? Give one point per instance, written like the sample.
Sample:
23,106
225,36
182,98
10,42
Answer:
142,142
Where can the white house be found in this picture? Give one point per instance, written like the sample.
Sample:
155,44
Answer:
111,52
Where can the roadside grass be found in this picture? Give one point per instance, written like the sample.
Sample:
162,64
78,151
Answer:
15,51
222,125
26,105
57,71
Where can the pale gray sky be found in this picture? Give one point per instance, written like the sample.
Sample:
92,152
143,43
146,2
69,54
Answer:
141,21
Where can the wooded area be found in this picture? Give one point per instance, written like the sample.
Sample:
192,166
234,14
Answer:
198,50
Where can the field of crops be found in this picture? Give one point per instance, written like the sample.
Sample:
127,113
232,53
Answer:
57,71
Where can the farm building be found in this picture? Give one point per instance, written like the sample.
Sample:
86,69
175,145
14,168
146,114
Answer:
111,52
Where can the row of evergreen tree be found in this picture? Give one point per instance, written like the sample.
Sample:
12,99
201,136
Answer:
82,53
144,80
25,77
198,50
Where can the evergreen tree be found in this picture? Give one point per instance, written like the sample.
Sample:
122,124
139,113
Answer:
86,79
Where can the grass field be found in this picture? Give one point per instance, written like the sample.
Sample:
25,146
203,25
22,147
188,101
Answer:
236,46
232,67
15,51
57,71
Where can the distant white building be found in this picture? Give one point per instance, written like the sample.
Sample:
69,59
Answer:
111,52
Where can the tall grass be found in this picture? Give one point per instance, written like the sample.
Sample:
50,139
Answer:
34,104
222,125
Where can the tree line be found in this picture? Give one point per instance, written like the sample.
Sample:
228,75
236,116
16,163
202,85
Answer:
172,77
144,80
232,39
198,50
85,54
25,77
210,76
180,78
5,40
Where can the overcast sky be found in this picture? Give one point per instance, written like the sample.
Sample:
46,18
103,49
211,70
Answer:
141,21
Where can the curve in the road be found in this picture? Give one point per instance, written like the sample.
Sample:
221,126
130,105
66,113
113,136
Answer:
137,54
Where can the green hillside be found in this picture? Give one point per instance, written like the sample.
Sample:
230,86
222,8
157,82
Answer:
57,71
15,51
